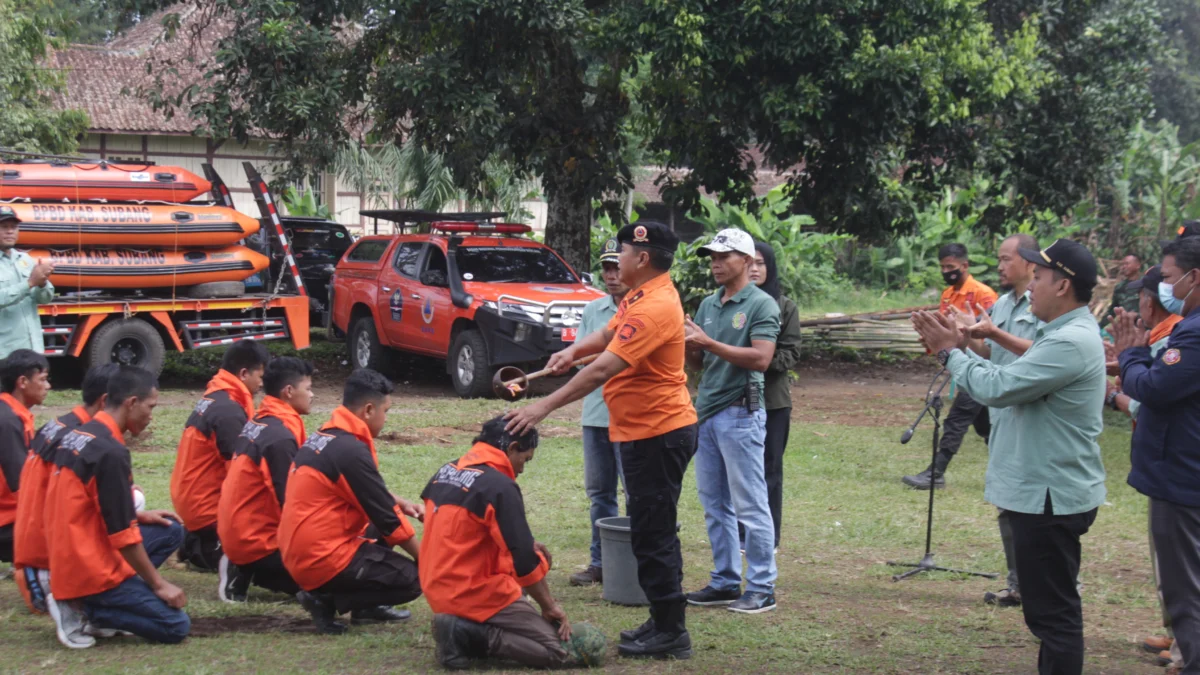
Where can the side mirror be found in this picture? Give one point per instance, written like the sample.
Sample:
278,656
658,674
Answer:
587,278
434,278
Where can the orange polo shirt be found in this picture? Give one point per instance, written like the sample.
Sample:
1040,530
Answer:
972,293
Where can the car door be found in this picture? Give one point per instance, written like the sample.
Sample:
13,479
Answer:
434,315
397,310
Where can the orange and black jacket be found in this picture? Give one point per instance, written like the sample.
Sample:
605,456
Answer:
29,535
16,433
476,551
206,447
89,511
252,495
334,492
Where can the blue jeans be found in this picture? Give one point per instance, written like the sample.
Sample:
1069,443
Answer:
733,487
601,471
132,606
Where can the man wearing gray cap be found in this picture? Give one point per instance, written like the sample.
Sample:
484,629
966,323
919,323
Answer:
733,340
24,284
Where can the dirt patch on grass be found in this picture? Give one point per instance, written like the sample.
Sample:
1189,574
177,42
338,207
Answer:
861,395
212,626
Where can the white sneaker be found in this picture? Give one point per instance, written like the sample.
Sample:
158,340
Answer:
69,624
93,630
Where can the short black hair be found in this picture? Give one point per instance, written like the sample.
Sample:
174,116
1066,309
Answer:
365,386
95,382
659,259
1186,252
1133,255
495,435
20,363
1083,292
1025,241
246,354
127,382
284,371
956,251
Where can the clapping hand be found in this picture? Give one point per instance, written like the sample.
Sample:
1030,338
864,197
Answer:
938,331
1111,365
1128,330
41,273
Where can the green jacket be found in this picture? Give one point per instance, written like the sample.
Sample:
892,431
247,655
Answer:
778,388
20,327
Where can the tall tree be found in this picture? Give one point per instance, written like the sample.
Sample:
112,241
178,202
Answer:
27,118
1175,82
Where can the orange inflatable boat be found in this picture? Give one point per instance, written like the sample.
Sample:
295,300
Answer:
46,181
144,268
83,225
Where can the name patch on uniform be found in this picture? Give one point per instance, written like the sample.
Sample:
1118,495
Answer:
317,441
252,430
739,320
460,478
49,429
76,440
202,405
1171,357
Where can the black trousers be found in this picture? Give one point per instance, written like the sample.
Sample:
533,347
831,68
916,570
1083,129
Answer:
654,469
376,576
779,423
1047,552
202,548
964,412
269,573
1176,532
6,543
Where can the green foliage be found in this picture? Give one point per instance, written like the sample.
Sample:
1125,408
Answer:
304,204
1175,82
27,119
95,21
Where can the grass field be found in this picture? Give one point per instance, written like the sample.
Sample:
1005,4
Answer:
839,611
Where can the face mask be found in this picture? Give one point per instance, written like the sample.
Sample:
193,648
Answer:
952,277
1166,295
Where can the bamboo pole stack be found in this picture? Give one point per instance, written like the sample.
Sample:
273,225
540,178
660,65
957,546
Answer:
879,331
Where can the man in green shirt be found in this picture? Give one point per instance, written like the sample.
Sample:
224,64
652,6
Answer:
733,339
24,284
1044,469
1124,294
601,461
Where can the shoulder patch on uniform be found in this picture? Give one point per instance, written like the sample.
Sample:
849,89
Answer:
317,441
202,406
50,429
1171,357
631,327
459,478
252,429
76,440
638,295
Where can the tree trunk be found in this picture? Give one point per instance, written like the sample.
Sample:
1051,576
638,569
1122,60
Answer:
568,226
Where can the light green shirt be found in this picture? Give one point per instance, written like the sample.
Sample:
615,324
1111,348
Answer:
749,315
20,327
596,315
1054,401
1012,315
1155,348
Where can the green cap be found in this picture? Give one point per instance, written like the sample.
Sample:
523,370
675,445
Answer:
7,213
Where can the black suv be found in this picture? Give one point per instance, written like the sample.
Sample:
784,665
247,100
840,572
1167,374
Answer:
317,245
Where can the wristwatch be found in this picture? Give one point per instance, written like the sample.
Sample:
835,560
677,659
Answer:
943,356
1111,400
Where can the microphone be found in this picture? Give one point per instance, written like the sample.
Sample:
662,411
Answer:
906,436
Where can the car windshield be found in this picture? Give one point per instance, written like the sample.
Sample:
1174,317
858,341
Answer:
319,241
510,264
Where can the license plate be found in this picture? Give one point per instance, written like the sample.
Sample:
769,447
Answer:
569,334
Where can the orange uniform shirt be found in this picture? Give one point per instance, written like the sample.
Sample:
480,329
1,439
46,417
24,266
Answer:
253,492
650,397
333,493
206,447
89,511
29,532
477,550
16,433
972,293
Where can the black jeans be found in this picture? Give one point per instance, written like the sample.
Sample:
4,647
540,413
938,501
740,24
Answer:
269,573
6,543
779,423
1176,532
202,548
654,469
964,412
376,576
1047,552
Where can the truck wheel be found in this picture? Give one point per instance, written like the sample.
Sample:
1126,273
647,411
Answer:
469,365
129,342
365,350
217,289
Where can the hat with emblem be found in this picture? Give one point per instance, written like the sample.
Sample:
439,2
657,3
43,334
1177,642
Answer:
7,213
730,239
649,235
611,252
1068,257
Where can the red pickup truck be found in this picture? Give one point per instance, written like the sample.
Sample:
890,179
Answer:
471,293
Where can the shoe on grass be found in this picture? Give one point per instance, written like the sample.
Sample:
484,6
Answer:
922,480
1003,598
753,602
658,645
323,613
591,576
1164,658
232,585
380,614
635,634
68,624
711,597
1157,643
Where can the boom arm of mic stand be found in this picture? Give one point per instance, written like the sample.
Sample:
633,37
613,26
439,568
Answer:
932,398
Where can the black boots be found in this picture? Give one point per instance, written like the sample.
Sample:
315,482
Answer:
323,613
458,641
380,614
933,476
658,645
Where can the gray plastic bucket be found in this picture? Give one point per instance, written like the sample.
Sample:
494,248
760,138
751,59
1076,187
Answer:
620,567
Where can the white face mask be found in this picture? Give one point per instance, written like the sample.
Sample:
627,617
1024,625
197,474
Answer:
1166,295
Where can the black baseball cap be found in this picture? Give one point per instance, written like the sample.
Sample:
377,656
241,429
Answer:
649,235
1189,228
1149,281
1068,257
7,213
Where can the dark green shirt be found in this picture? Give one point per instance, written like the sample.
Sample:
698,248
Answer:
749,315
787,354
1122,297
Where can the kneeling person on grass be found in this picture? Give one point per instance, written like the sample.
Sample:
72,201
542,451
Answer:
334,493
104,553
24,383
478,554
253,491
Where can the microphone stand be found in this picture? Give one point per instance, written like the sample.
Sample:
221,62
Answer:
933,403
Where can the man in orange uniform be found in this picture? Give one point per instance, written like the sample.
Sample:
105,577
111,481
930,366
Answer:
968,295
478,554
31,558
207,446
24,383
253,492
651,419
105,554
334,493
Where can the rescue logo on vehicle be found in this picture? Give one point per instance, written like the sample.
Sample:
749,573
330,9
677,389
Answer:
427,310
1171,357
396,304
